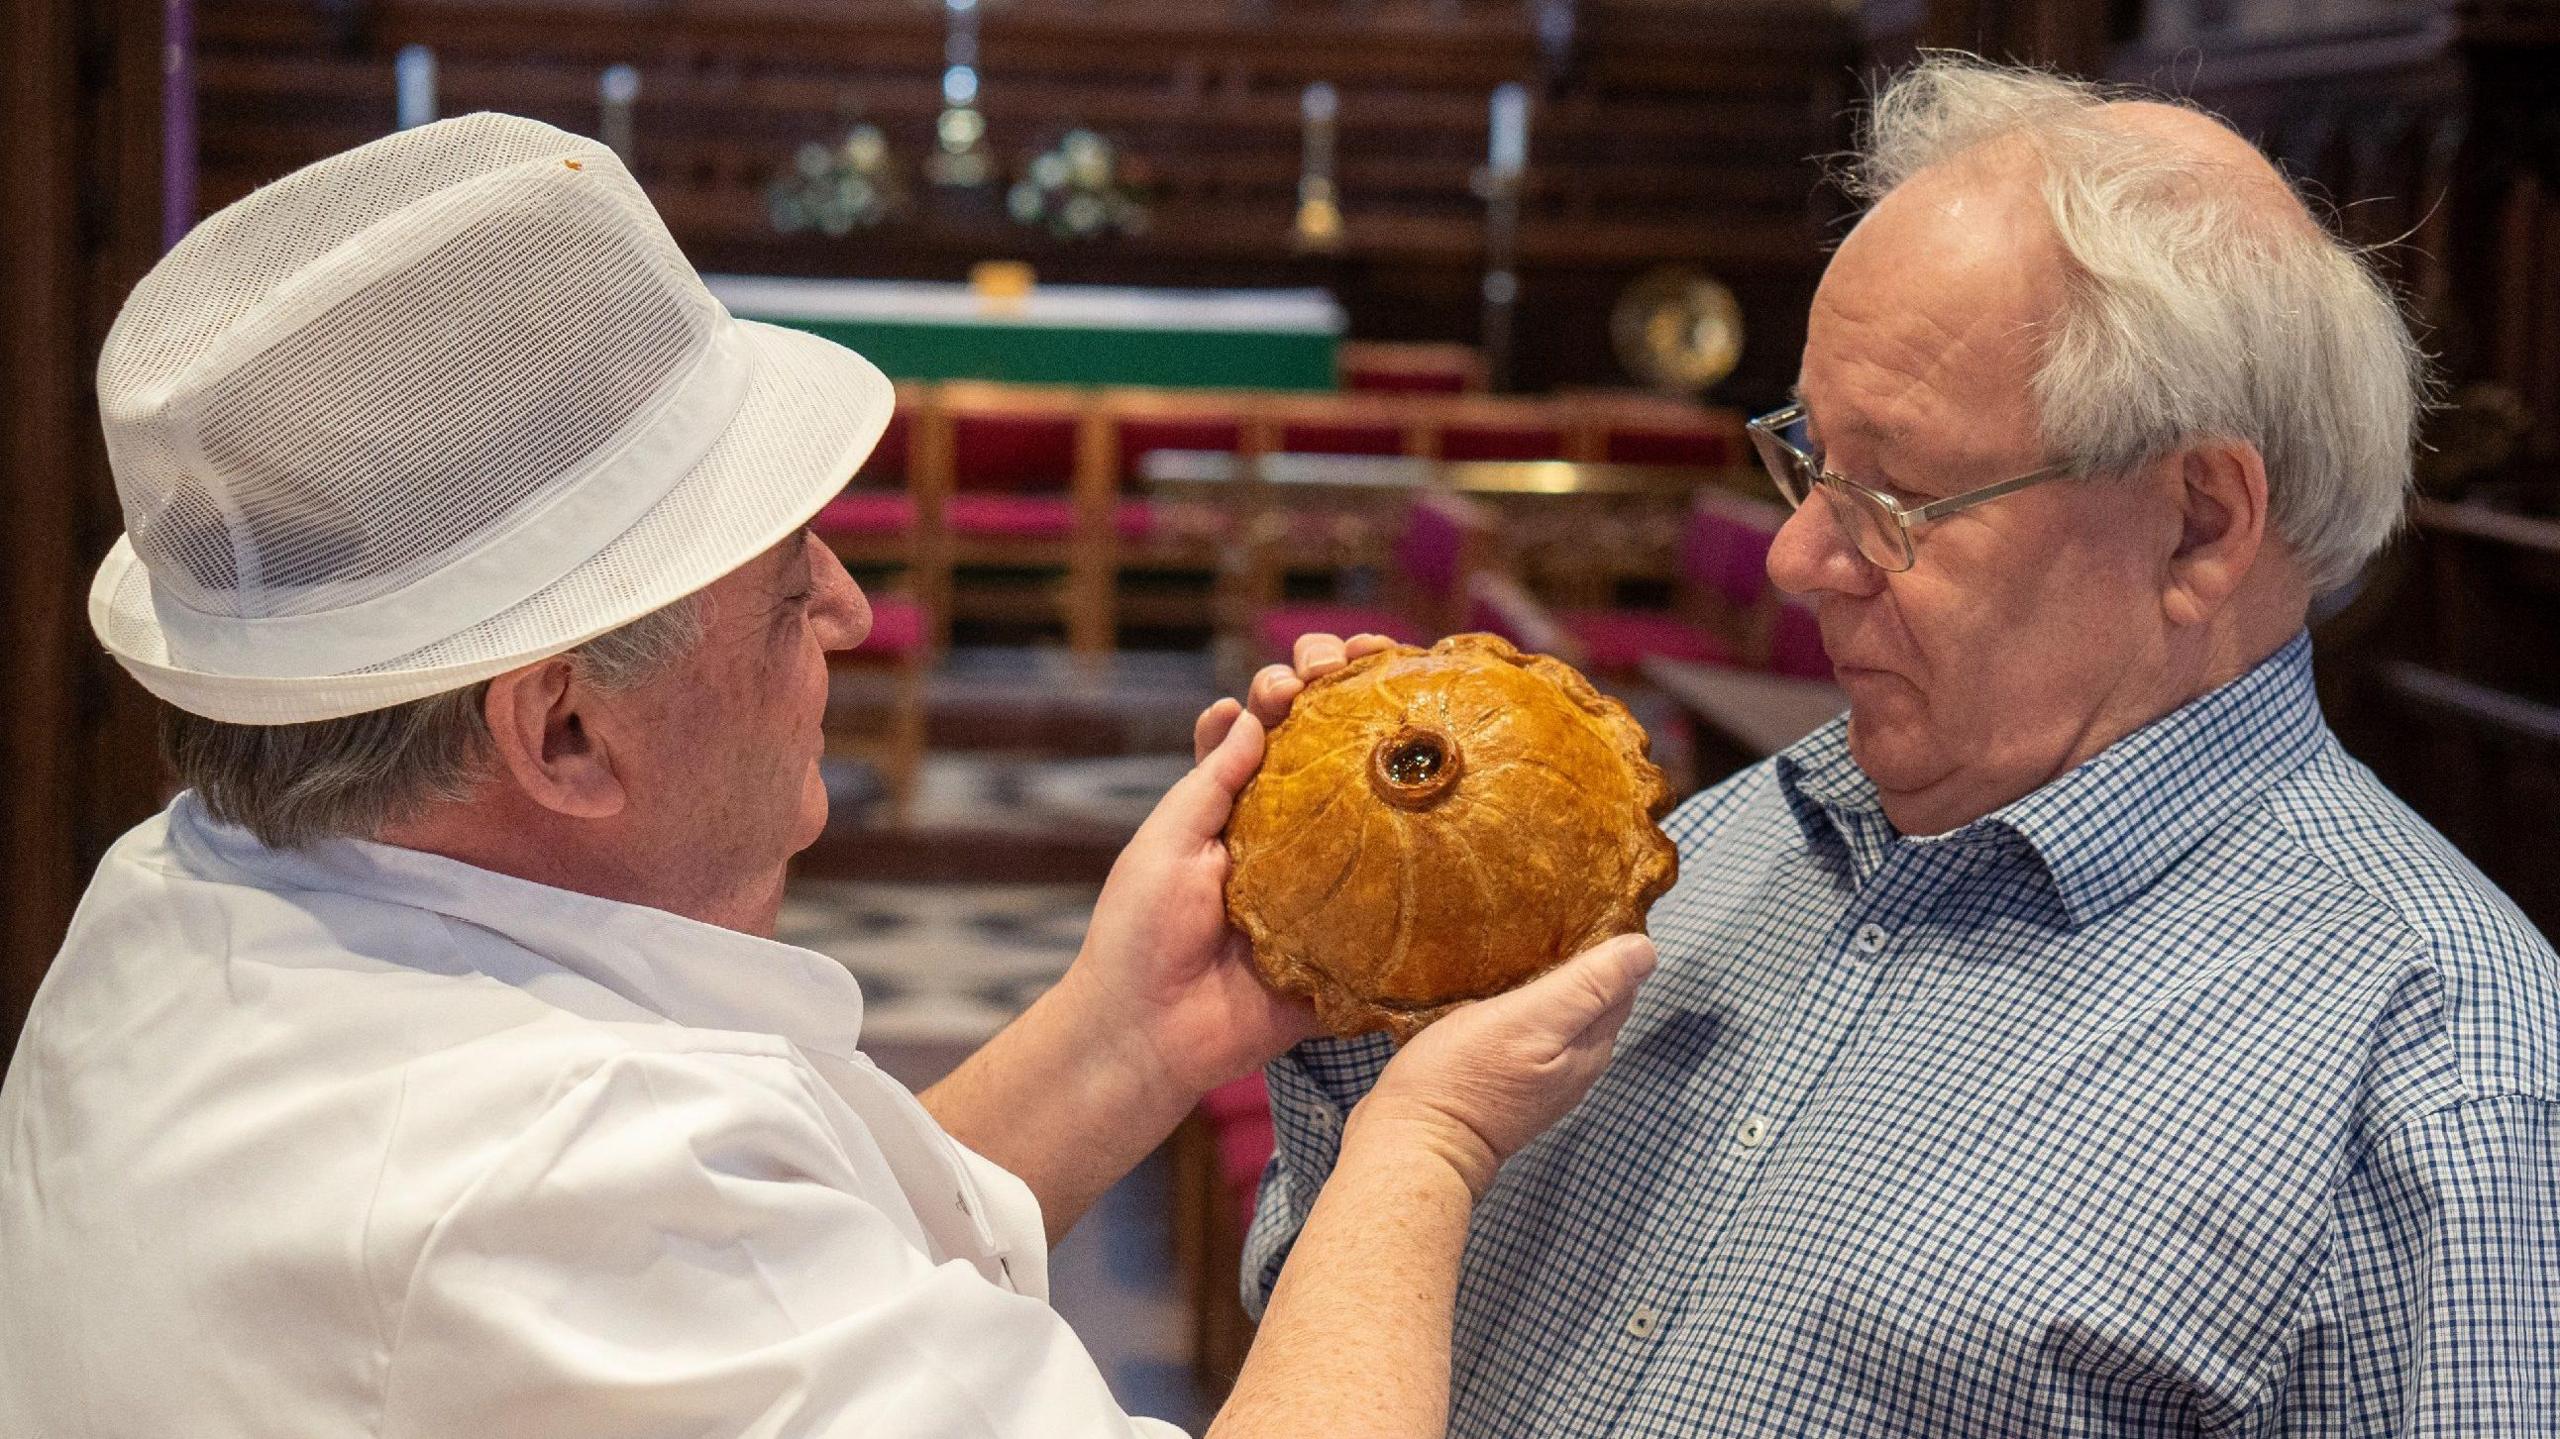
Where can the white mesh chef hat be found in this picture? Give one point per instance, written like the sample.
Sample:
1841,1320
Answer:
435,408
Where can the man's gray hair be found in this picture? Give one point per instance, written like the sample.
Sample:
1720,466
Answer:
293,784
2191,313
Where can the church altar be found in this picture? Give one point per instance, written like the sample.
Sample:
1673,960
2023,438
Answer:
1060,334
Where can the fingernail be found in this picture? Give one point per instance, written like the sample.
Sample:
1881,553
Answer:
1278,672
1638,955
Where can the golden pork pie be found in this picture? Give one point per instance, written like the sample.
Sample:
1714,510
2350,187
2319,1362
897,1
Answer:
1434,826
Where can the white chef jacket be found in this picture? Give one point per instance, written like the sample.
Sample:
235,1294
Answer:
357,1140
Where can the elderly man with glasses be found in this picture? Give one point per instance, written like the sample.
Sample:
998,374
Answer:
2071,1038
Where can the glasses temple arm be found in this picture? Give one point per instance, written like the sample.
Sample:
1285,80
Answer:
1939,509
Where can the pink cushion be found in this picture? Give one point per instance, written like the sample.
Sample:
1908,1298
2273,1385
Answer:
1429,549
1405,382
1012,452
865,514
1727,549
1237,1099
1243,1149
1278,629
1668,443
887,463
1037,517
1135,519
897,628
1142,435
1475,441
1795,643
1485,616
1621,639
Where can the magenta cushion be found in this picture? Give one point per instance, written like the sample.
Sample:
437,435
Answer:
1487,618
1037,517
1237,1099
1469,441
1142,435
1278,629
1703,445
863,514
1415,381
1244,1148
1621,639
897,628
887,462
1727,551
1429,548
1012,452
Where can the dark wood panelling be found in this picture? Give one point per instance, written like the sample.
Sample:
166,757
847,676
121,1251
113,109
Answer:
82,173
2432,133
1670,134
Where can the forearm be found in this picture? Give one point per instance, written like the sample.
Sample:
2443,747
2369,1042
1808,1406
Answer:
1063,1102
1356,1338
1312,1088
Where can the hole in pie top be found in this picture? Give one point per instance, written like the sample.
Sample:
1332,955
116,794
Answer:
1413,767
1415,761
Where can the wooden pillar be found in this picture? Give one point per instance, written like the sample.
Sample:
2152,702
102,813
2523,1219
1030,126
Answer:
81,94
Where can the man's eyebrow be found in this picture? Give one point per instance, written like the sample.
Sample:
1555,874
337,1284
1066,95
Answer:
1893,437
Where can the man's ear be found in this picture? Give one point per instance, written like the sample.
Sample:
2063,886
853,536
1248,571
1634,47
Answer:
2220,487
547,745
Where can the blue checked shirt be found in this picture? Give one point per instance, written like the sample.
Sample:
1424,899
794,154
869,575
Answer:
2203,1090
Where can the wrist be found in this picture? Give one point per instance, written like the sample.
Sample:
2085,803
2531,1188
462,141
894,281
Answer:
1387,1132
1115,1042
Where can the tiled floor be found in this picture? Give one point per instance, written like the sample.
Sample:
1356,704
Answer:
940,964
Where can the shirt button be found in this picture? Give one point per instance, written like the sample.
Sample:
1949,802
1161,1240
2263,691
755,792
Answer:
1751,1132
1872,939
1643,1322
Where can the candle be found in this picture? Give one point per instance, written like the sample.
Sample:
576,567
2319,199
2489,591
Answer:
414,82
1316,106
616,90
1510,147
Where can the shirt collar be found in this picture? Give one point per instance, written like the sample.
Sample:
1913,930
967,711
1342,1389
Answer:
695,974
2107,829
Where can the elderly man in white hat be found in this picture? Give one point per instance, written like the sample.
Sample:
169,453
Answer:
2073,1039
426,1067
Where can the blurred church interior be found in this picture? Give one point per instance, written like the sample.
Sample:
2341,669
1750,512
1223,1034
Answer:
1218,321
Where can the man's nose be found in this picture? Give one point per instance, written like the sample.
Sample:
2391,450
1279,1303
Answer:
839,612
1811,556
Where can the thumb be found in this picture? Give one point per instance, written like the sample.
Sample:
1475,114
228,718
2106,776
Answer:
1569,998
1197,805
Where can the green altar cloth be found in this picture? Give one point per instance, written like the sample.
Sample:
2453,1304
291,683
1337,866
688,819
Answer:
1060,334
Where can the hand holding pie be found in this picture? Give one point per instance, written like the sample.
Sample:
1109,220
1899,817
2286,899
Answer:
1431,827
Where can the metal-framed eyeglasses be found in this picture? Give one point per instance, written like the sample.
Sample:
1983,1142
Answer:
1876,524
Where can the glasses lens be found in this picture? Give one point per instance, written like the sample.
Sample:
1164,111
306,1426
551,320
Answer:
1786,468
1872,528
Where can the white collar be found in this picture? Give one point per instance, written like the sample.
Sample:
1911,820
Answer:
694,973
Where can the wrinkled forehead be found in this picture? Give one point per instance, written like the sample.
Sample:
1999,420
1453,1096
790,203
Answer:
1930,319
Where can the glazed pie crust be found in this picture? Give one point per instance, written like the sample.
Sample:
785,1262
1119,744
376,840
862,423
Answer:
1435,826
